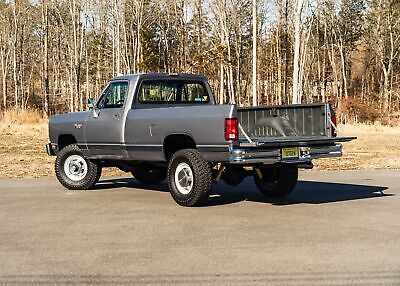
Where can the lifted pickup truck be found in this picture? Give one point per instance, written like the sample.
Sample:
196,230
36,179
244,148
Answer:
160,126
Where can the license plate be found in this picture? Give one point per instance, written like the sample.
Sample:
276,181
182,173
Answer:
290,153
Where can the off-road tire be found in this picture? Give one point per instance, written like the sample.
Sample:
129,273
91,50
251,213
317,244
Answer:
202,177
233,175
148,174
277,181
93,170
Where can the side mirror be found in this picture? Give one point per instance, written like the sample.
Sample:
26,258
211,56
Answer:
91,103
92,106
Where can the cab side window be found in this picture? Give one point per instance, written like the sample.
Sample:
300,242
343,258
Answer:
114,96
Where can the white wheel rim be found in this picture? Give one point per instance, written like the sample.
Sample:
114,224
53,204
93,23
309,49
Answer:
184,178
75,168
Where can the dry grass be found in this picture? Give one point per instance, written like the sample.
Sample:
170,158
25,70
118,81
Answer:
26,116
377,147
22,151
22,138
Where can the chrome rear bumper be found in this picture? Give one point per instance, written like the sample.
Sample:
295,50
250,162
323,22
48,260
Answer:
273,156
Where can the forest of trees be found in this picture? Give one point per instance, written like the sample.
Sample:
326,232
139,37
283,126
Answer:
55,54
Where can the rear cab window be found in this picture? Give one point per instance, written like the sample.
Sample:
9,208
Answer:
173,92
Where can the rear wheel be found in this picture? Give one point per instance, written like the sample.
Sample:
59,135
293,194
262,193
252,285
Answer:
276,181
148,174
74,171
189,177
233,175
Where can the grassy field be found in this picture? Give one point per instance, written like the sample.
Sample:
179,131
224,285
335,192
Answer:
22,152
376,147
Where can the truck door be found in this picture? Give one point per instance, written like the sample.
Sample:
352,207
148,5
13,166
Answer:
104,125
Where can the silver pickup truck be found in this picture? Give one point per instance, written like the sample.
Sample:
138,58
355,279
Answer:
160,126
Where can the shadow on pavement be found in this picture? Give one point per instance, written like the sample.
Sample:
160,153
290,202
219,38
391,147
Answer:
129,183
306,192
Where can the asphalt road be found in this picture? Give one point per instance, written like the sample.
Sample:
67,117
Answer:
338,228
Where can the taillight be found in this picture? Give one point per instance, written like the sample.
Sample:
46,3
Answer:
334,125
231,129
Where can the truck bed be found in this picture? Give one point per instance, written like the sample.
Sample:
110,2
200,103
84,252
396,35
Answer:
285,126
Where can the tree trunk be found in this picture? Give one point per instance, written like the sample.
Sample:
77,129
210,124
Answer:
279,66
254,77
286,53
296,57
15,65
45,27
386,91
343,62
117,39
221,83
4,67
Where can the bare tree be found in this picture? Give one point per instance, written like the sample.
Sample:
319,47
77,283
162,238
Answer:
220,10
385,40
16,14
5,50
254,82
53,54
45,43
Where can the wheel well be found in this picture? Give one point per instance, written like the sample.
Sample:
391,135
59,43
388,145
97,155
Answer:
176,142
65,140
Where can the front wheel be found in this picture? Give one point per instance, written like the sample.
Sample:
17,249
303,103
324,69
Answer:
276,181
189,177
74,171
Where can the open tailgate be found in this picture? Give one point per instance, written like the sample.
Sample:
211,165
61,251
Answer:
289,125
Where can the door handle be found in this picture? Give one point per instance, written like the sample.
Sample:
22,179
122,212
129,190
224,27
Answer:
116,116
153,130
